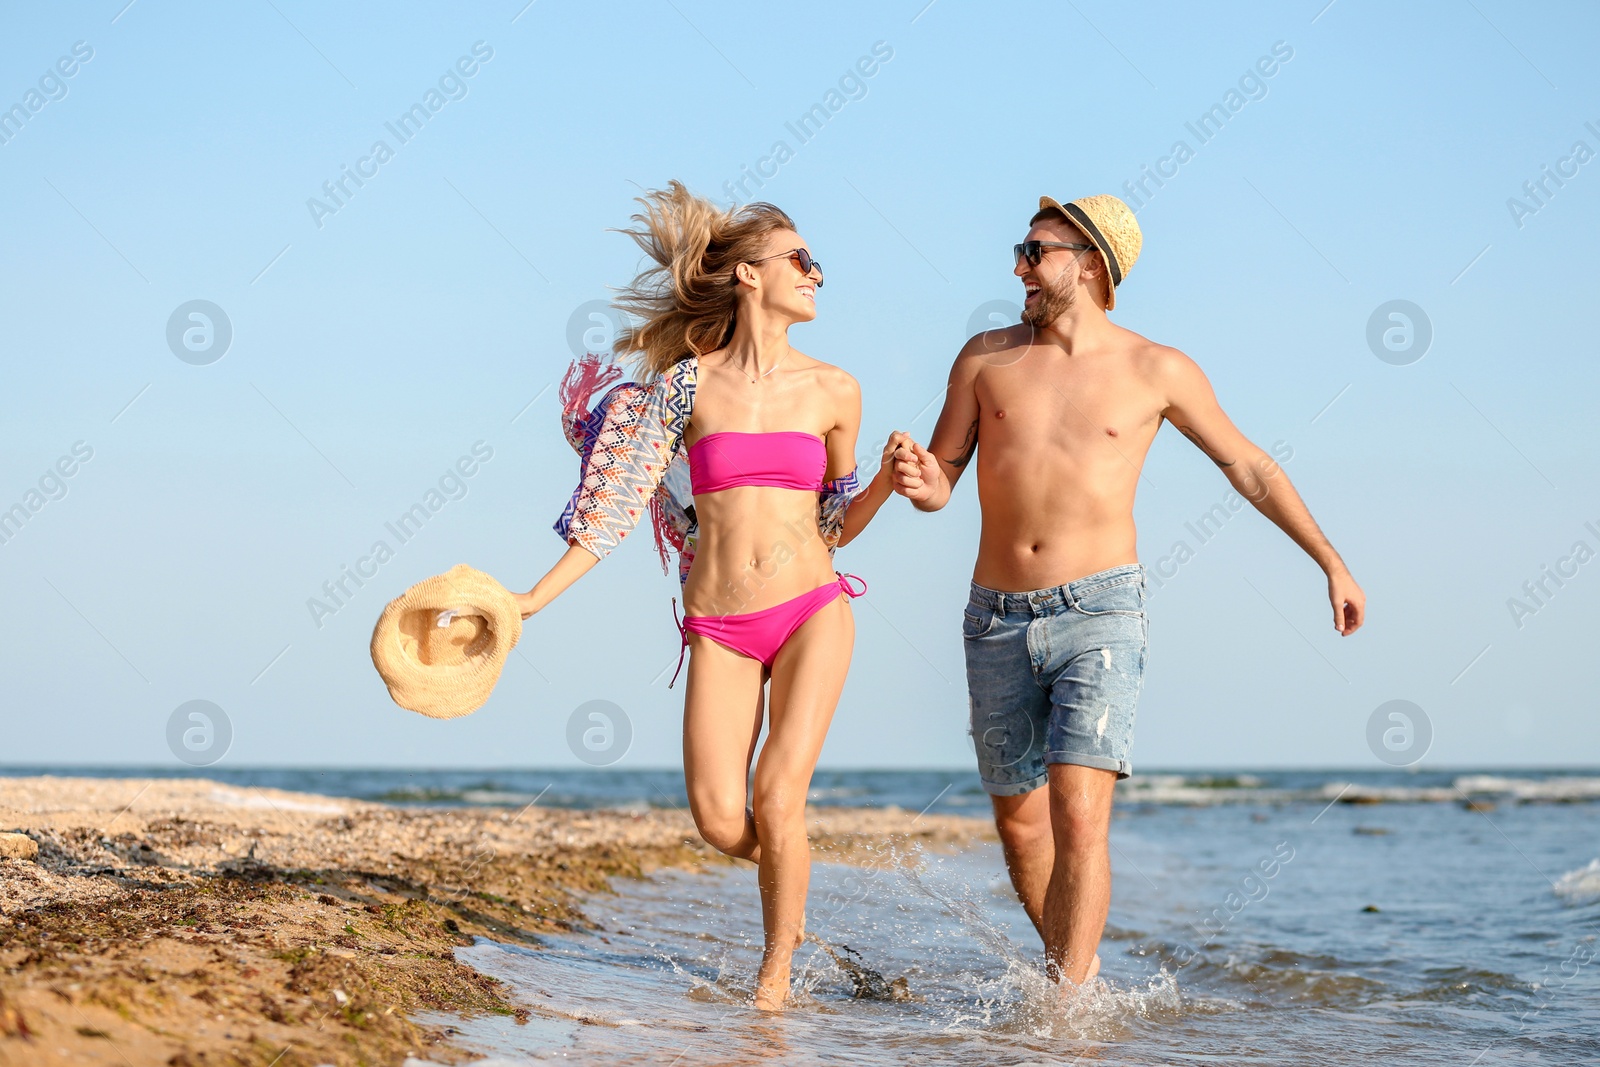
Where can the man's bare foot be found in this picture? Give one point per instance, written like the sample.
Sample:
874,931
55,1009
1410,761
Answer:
1068,986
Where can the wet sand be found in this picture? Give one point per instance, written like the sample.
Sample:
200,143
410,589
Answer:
188,922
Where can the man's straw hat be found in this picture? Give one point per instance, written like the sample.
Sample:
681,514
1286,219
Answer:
440,645
1108,223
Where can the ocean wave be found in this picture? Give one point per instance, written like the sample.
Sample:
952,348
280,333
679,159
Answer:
1581,886
1308,979
1558,789
1201,790
1353,793
836,793
418,795
1454,983
1257,972
491,797
1205,790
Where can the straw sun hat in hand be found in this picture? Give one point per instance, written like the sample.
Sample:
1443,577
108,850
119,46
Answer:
441,644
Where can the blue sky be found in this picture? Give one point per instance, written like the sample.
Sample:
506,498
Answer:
374,345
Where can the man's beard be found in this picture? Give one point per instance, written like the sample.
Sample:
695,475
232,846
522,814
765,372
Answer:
1053,302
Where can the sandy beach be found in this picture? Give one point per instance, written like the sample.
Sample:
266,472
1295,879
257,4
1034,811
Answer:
188,922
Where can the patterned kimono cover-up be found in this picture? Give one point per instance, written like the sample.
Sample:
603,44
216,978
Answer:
628,444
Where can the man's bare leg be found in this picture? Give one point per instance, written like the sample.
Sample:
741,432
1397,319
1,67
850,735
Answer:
1078,896
1030,848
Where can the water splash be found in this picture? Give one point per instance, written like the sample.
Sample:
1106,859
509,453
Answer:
1581,886
1280,985
866,983
1022,998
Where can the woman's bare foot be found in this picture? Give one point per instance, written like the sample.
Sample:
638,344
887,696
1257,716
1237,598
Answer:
772,985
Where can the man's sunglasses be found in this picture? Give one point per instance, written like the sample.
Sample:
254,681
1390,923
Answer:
801,259
1033,251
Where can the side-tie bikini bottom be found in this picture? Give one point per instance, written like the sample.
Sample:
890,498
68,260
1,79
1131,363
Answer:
760,634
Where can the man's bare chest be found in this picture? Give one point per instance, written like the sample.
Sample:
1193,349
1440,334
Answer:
1066,406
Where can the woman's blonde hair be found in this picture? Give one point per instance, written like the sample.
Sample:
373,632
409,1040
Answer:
685,304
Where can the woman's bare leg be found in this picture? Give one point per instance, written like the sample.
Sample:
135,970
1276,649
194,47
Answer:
807,678
721,722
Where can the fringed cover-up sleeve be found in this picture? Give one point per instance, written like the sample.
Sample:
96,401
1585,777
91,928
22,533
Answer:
631,460
832,504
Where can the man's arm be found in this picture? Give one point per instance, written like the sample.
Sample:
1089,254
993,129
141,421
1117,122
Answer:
925,476
1192,407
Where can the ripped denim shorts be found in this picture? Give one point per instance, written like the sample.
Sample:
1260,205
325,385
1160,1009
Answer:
1053,676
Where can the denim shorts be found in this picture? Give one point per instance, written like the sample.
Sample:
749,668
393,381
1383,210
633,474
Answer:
1053,676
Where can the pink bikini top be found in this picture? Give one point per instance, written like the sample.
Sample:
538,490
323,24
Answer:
787,459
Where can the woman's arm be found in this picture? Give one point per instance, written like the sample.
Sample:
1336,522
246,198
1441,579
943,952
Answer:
573,564
864,504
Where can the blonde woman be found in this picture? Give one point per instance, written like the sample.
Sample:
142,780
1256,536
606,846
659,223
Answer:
767,437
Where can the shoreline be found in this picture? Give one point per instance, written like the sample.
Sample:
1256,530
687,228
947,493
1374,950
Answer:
186,921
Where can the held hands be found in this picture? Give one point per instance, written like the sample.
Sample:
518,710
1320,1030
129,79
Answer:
915,472
1349,602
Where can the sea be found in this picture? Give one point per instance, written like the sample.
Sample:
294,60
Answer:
1257,917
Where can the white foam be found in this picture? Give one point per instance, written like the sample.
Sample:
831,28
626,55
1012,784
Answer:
1199,790
496,797
1207,790
1022,998
1555,788
1581,886
840,792
1099,1011
1351,793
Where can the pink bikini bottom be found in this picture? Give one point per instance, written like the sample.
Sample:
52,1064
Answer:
760,634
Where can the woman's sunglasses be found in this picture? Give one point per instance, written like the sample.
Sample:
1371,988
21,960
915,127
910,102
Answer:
1033,251
801,259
